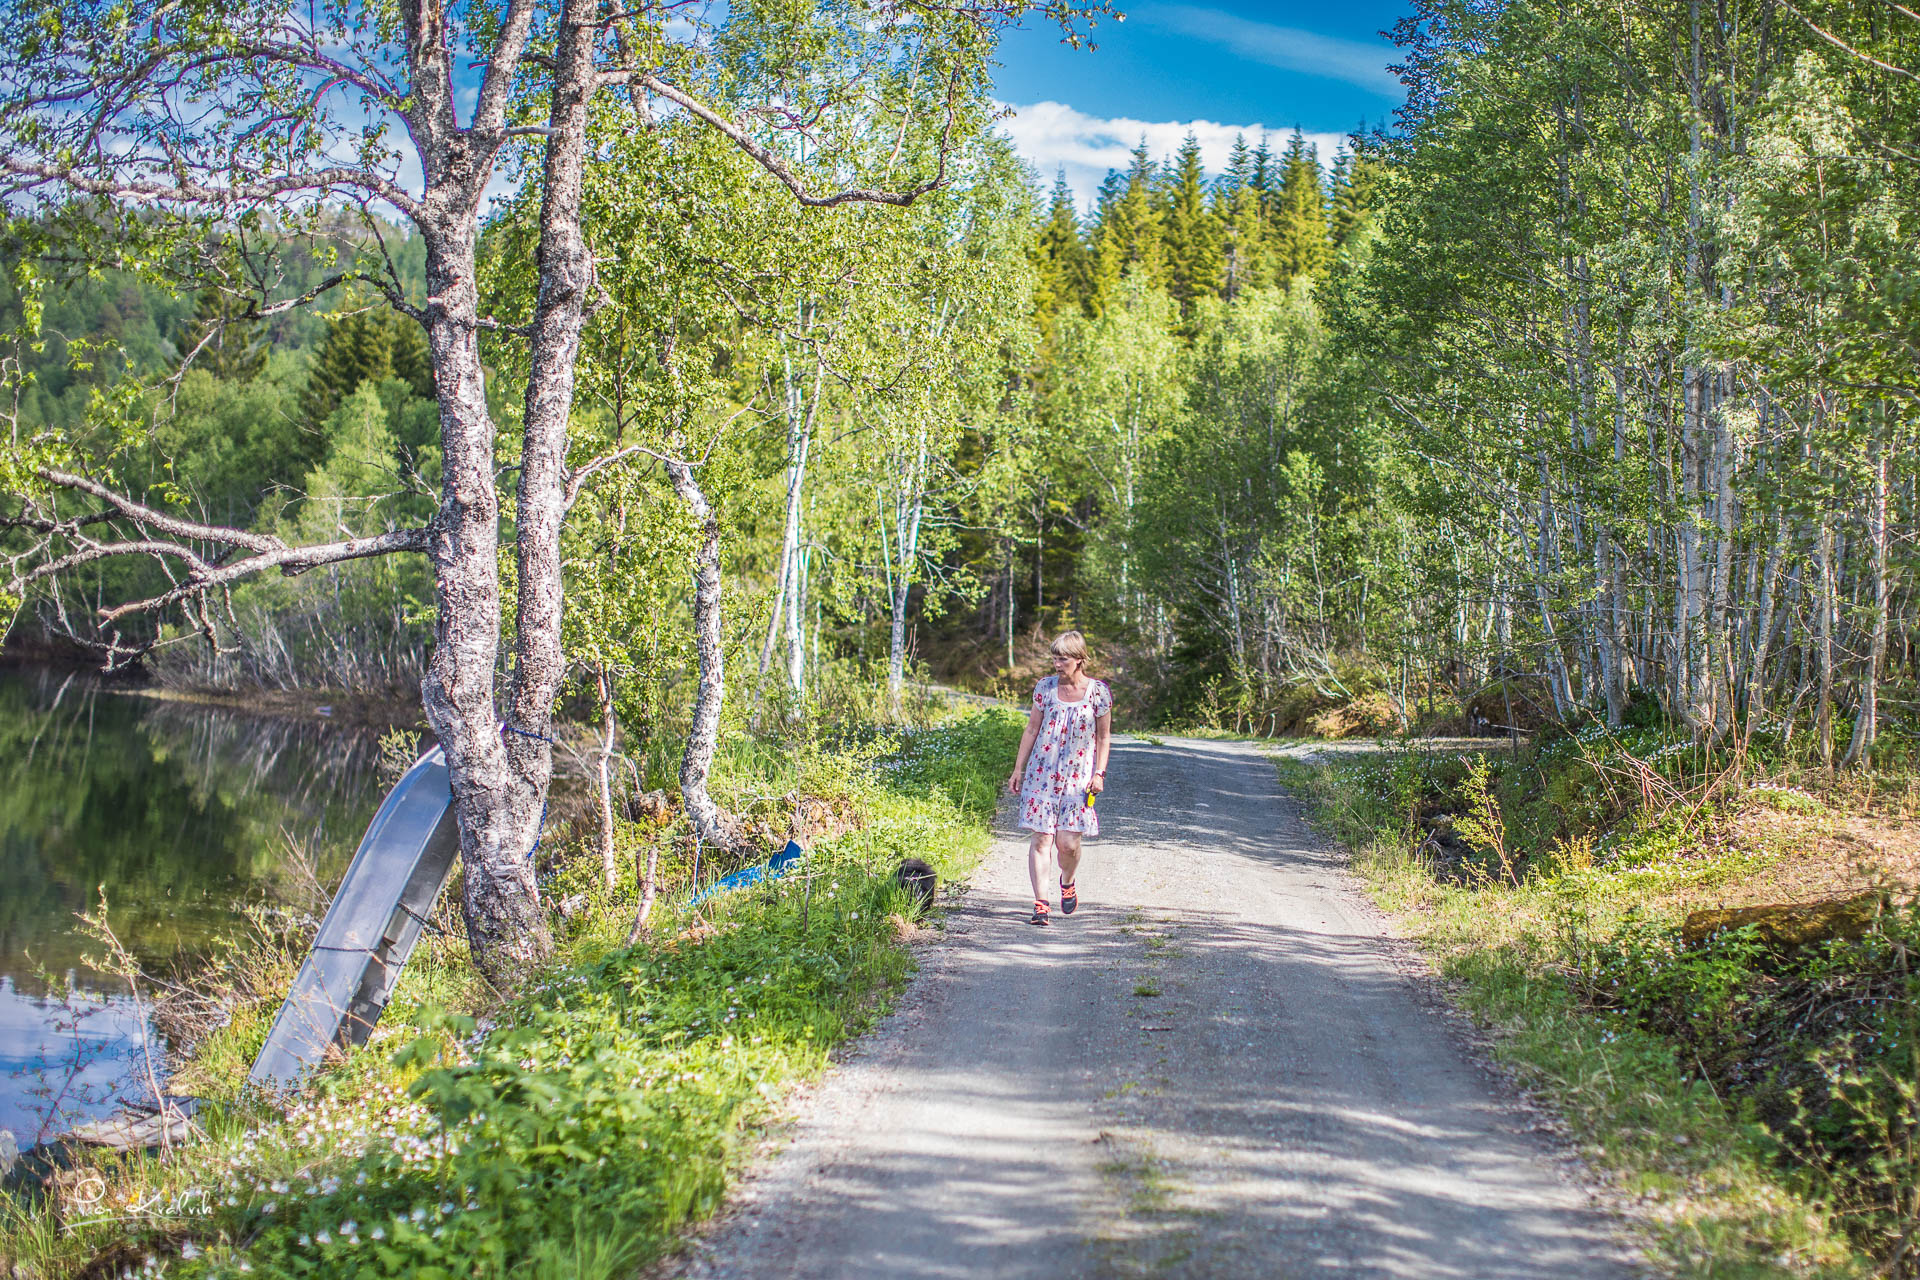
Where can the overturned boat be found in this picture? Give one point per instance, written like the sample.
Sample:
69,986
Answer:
370,928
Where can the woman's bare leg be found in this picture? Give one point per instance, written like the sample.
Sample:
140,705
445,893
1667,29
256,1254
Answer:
1039,863
1066,846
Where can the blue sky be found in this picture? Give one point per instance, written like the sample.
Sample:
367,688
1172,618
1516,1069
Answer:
1217,67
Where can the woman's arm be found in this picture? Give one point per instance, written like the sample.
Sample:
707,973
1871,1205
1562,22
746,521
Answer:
1026,745
1102,743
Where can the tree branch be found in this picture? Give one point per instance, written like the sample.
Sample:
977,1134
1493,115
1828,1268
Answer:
105,550
185,190
203,574
309,56
168,524
496,86
578,477
771,161
289,560
1844,47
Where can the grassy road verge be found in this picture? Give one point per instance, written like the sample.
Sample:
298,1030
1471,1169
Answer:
571,1131
1756,1134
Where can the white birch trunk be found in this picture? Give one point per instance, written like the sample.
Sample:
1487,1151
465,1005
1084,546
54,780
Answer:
909,505
1865,724
710,692
610,869
1823,643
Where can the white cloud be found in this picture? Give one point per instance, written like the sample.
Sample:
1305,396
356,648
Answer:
1052,136
1353,61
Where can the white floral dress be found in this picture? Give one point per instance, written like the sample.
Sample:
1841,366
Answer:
1053,791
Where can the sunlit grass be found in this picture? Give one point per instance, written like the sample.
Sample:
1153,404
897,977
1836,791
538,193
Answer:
1708,1200
574,1131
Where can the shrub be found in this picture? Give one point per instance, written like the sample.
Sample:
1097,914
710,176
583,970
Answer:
1819,1044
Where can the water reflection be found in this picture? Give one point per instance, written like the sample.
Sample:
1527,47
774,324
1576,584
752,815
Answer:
68,1055
181,814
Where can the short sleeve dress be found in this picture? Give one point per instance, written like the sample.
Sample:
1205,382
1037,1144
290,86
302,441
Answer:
1053,792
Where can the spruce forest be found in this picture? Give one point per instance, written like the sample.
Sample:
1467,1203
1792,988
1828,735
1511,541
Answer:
663,411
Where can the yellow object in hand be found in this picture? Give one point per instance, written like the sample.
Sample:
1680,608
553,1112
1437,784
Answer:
1090,795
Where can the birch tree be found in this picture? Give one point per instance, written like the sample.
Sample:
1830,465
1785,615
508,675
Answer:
142,133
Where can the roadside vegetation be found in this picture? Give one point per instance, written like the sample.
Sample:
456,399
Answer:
569,1130
1581,397
1749,1080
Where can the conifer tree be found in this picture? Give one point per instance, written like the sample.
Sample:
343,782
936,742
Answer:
1355,185
1266,177
1130,230
233,350
412,362
365,346
1243,247
1299,218
1063,268
1239,169
1192,234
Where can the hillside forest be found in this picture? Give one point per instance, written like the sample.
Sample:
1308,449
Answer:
1581,394
673,393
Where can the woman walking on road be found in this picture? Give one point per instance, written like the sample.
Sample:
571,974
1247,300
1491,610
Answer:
1062,765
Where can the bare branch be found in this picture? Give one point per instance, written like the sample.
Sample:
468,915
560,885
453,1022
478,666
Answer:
288,560
203,574
771,161
185,190
106,550
160,520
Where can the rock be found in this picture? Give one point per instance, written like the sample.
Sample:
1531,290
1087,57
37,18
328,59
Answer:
1788,925
651,806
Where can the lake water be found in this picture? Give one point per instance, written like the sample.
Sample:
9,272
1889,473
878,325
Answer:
183,815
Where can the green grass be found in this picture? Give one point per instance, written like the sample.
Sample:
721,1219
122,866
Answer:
1715,1202
600,1112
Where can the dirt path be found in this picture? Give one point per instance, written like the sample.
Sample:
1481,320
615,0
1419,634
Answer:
1221,1066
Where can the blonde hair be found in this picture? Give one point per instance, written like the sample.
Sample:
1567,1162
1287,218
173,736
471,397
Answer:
1070,644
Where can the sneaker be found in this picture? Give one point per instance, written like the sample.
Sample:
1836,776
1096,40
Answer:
1039,913
1069,899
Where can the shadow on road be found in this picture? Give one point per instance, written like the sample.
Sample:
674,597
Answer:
1212,1069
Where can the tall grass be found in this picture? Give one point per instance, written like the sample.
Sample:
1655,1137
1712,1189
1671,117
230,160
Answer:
319,648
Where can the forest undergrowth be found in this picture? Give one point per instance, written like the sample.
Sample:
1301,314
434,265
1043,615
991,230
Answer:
1752,1091
572,1130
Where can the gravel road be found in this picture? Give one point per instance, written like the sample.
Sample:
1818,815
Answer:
1223,1065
